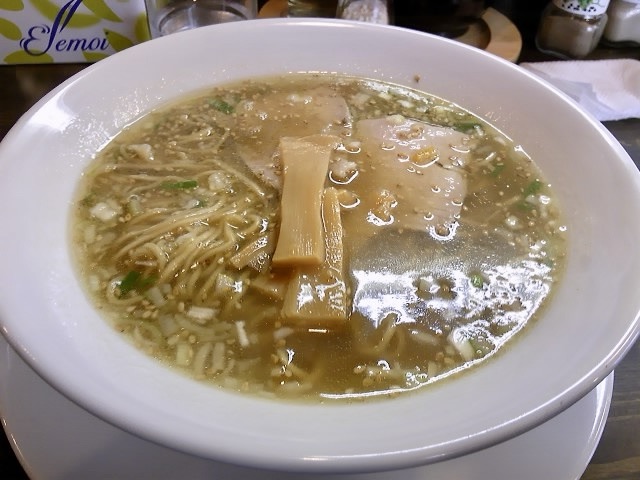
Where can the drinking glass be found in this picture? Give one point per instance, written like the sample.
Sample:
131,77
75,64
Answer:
171,16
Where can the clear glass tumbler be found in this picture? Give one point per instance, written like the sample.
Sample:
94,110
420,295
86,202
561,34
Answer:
171,16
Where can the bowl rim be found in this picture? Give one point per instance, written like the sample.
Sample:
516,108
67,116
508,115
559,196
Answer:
367,460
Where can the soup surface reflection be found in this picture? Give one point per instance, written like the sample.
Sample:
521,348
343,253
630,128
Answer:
315,236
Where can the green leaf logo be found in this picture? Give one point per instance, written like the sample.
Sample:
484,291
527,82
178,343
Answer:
94,56
101,9
141,28
13,5
9,30
117,41
72,19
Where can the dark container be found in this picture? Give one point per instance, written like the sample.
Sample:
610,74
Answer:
448,18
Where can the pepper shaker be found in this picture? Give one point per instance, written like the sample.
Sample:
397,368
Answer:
623,26
372,11
571,29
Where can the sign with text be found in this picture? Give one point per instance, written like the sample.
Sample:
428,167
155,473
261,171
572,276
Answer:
68,31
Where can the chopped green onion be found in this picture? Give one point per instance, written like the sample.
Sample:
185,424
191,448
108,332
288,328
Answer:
129,281
476,280
221,105
184,185
465,127
533,188
146,283
134,280
497,170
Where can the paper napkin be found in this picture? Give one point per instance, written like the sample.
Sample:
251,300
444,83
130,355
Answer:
608,89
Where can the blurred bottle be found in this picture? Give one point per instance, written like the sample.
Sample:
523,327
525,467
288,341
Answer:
571,29
372,11
623,25
312,8
448,18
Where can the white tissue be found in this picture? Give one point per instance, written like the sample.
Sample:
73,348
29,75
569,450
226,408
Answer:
608,89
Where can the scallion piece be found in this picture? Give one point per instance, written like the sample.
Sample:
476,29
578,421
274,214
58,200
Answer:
221,105
183,185
533,188
129,282
146,282
465,127
497,170
476,280
134,280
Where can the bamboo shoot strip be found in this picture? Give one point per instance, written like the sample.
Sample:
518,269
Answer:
256,254
317,295
272,285
305,164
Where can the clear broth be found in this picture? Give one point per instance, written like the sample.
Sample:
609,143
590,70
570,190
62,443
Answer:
171,200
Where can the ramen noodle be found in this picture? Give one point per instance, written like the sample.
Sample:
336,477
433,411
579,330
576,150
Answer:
317,237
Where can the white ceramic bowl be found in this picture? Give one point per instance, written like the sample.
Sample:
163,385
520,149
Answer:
589,325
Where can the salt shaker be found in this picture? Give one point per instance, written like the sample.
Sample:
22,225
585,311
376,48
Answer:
623,26
372,11
571,29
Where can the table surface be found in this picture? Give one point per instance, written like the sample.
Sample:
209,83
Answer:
618,454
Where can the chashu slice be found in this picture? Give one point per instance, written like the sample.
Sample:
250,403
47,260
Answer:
260,121
419,164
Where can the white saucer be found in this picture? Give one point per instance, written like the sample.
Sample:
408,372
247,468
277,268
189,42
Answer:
55,439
